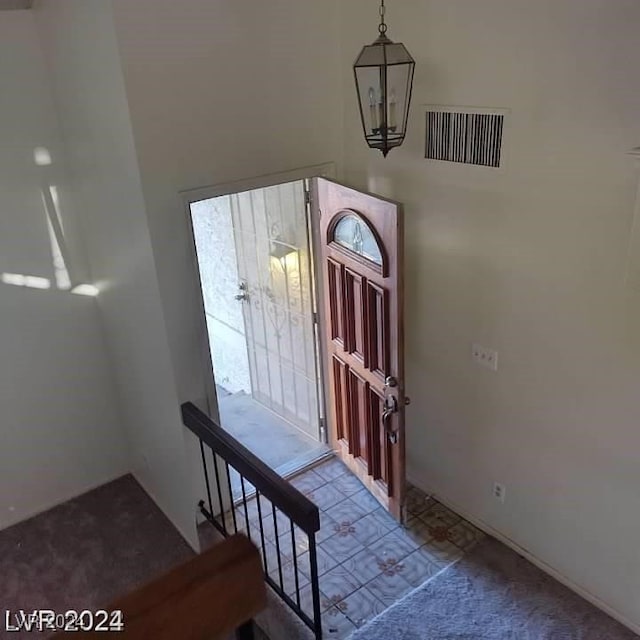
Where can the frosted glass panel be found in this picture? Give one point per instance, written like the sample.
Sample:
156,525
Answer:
352,232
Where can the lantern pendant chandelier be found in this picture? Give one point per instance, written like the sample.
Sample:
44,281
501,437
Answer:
384,77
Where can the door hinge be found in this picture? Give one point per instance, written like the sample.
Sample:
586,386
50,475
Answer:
315,317
323,429
307,197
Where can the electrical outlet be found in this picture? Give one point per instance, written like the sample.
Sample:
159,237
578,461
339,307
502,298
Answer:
499,491
484,356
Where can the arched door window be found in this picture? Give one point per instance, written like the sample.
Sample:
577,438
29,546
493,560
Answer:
353,233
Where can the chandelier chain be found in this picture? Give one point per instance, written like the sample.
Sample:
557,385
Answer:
382,27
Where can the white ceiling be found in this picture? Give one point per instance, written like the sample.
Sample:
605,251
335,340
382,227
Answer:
6,5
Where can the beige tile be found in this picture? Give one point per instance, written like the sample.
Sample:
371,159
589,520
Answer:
336,625
325,497
439,516
348,484
325,562
289,579
301,541
444,553
418,568
361,606
465,535
366,500
391,546
370,528
307,481
417,501
363,566
389,589
342,547
346,511
417,531
327,527
338,583
331,470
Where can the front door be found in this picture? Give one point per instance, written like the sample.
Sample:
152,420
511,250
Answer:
361,240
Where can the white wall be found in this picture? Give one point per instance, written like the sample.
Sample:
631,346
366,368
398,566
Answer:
217,92
79,41
221,91
180,120
529,260
60,428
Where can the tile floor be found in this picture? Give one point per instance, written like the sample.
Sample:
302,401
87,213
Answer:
366,560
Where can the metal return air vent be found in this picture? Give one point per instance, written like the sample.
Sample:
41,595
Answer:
468,138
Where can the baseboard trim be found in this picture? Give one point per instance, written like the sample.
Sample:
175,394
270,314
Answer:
541,564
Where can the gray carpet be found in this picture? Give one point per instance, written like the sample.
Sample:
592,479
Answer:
493,594
85,552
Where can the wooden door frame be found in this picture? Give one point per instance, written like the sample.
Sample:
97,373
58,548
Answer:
189,197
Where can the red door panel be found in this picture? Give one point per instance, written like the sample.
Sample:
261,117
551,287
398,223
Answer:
361,239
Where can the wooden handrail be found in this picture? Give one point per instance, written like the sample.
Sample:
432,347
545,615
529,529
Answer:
205,598
281,493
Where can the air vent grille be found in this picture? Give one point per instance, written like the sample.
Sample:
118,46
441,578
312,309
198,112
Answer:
469,138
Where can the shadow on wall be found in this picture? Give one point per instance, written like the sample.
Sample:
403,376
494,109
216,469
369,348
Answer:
64,280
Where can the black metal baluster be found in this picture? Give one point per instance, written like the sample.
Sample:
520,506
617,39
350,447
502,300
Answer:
295,561
275,531
264,549
315,587
244,502
233,508
303,515
224,520
206,478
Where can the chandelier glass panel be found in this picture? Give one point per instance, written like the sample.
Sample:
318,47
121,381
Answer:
384,78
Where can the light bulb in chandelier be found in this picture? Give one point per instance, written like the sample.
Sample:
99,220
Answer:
373,110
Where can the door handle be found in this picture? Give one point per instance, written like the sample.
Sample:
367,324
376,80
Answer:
392,436
390,407
390,404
